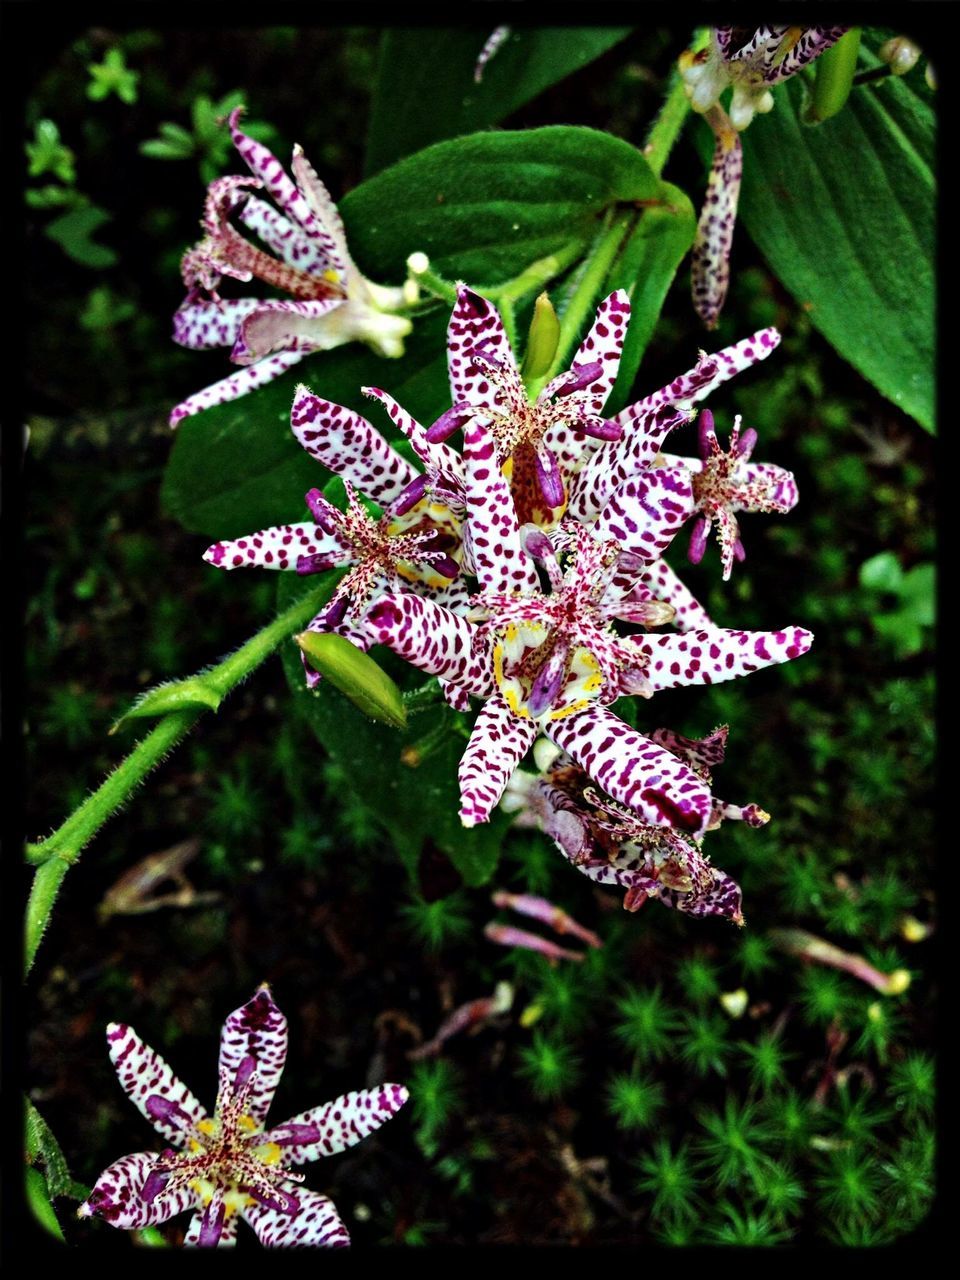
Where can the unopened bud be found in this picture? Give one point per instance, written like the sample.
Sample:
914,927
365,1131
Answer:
900,54
356,675
542,340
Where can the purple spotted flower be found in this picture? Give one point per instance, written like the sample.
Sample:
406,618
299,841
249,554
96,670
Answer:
230,1165
751,60
552,661
542,440
305,256
414,545
614,845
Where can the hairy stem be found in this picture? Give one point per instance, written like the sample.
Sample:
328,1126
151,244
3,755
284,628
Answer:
672,115
54,855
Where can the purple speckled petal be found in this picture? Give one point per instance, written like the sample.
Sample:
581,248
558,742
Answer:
315,1225
665,585
331,1128
258,1030
278,547
765,487
228,1231
647,512
474,320
458,698
440,457
144,1075
432,638
283,237
501,563
202,325
497,744
346,443
281,324
265,166
238,384
116,1195
494,40
602,346
709,657
701,754
778,64
609,466
633,769
322,206
710,261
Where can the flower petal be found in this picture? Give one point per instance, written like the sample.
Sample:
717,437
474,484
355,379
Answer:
116,1195
602,345
265,166
278,547
144,1075
690,614
283,237
647,512
709,657
437,456
710,261
321,202
238,384
500,562
256,1030
282,325
633,769
316,1223
612,464
499,741
202,325
432,638
474,321
765,487
339,1124
228,1231
349,445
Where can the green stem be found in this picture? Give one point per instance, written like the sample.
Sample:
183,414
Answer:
533,278
672,115
581,301
55,854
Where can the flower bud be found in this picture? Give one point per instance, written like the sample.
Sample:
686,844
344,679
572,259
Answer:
356,675
542,340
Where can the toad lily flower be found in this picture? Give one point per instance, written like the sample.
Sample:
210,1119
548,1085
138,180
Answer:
613,845
332,302
414,545
551,662
542,440
230,1166
751,61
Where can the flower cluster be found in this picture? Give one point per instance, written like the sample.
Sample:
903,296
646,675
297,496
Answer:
229,1165
749,61
527,570
305,256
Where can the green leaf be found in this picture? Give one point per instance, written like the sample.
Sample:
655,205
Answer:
179,695
844,213
43,1150
425,89
483,208
40,1206
356,675
882,572
407,781
72,232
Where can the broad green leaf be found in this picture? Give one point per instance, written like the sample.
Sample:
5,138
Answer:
482,208
406,780
425,88
72,231
882,572
38,1199
844,213
43,1150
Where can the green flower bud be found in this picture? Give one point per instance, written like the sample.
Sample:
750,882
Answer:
356,675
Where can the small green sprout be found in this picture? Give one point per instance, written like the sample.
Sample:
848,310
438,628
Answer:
767,1060
697,976
748,1228
550,1067
779,1190
112,76
704,1044
47,154
755,954
912,1084
731,1146
634,1101
850,1184
435,1094
646,1023
670,1177
440,923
